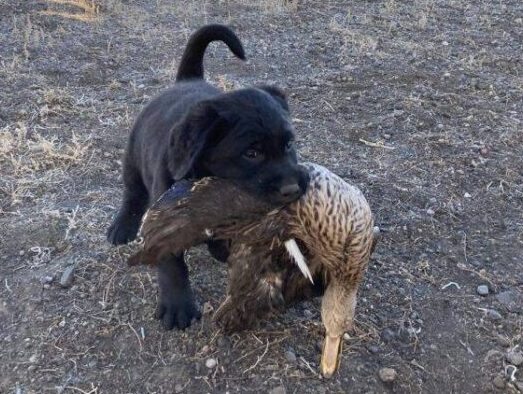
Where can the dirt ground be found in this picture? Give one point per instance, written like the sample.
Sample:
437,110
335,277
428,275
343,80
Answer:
419,103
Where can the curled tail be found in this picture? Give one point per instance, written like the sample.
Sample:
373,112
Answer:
191,65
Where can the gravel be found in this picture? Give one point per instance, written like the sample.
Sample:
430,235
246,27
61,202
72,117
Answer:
211,363
66,280
494,314
515,357
387,375
499,382
482,290
290,356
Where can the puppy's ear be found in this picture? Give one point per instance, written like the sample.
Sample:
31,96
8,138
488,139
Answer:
277,94
189,137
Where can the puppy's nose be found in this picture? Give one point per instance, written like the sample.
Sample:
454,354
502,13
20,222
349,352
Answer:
290,190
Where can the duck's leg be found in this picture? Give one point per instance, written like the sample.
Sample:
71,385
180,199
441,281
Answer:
337,312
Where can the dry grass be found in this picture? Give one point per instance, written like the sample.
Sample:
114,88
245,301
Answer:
29,159
82,10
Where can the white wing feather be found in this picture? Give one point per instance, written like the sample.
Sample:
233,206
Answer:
295,253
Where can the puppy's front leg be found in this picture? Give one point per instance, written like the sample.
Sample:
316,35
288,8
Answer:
176,306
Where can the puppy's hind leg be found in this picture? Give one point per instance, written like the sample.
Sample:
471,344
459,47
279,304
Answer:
135,200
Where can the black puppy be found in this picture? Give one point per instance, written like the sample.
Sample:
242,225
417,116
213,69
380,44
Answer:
194,130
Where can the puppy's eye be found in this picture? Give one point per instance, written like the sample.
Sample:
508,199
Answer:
253,154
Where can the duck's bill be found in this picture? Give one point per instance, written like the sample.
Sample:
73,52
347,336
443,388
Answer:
331,355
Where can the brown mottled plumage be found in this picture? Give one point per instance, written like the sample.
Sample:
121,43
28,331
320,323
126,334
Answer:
332,225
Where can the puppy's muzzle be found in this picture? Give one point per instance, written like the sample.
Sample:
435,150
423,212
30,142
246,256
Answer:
290,191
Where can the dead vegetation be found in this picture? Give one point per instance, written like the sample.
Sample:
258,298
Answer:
419,104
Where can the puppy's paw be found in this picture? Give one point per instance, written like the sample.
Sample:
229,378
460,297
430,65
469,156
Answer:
177,312
123,229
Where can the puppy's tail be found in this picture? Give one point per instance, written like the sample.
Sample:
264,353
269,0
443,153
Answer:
191,65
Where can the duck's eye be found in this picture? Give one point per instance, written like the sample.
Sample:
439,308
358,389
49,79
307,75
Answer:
253,154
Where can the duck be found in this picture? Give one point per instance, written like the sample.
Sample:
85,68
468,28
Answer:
318,245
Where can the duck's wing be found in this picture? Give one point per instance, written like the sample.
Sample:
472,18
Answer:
187,214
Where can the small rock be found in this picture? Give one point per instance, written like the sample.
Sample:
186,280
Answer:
467,195
278,390
211,363
290,356
67,277
515,357
33,359
499,382
47,279
346,337
373,349
178,388
388,375
494,314
482,290
430,212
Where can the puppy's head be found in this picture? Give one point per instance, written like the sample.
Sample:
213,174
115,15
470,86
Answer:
244,135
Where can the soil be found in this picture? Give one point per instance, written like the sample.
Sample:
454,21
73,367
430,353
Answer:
417,103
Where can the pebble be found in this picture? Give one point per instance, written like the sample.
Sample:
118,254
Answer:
211,363
47,279
482,290
33,359
290,356
467,195
388,375
494,314
67,277
499,382
178,388
278,390
373,349
515,357
430,212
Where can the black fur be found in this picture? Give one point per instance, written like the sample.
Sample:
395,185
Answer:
194,130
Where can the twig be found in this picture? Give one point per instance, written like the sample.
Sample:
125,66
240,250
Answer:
137,336
376,145
258,348
258,360
308,365
450,284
